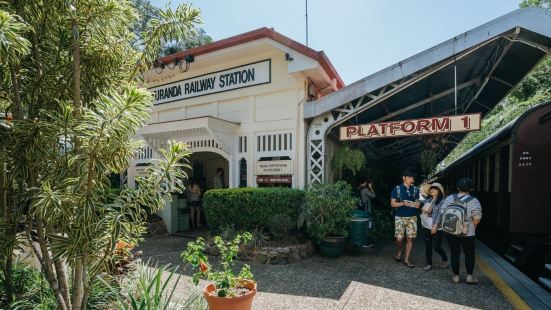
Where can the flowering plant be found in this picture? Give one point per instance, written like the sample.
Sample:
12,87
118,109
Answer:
227,284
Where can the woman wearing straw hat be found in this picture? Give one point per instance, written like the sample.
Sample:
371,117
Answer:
430,211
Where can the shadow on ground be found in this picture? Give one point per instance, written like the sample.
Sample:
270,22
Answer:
350,282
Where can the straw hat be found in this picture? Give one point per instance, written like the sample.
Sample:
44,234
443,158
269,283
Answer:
439,186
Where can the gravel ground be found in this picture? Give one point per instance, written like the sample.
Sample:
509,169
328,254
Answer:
369,281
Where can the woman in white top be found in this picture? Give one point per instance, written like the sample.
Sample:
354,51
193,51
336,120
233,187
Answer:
430,211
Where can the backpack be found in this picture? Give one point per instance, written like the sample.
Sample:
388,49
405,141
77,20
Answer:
454,217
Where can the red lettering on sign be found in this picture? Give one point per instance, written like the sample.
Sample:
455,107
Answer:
393,127
444,125
423,124
408,127
351,131
372,131
383,128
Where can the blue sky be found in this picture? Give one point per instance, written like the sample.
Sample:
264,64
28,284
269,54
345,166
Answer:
359,36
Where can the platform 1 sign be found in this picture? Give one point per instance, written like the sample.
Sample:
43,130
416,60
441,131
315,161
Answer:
412,127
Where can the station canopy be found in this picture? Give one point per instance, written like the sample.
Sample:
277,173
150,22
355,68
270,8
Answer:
480,66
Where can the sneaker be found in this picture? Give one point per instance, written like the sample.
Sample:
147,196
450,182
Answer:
471,279
427,268
456,279
445,265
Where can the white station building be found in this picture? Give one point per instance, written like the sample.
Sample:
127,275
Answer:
268,109
239,104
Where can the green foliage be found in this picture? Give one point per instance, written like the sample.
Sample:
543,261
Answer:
328,209
13,44
347,158
383,226
281,225
249,208
536,3
534,89
259,237
33,292
147,12
172,26
224,280
198,38
30,289
71,86
154,288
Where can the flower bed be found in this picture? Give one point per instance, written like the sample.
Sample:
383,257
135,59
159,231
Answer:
272,253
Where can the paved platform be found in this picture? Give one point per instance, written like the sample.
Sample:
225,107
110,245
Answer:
369,281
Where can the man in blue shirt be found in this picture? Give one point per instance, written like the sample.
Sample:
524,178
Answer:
405,201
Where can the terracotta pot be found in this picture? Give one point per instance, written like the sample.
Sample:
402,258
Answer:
243,302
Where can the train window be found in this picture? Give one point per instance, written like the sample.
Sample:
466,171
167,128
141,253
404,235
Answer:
504,169
491,172
476,176
482,174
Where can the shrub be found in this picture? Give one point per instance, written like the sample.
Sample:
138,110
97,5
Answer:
249,208
329,209
281,225
383,226
31,291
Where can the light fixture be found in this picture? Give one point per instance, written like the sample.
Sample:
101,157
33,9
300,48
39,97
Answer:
189,58
174,64
288,57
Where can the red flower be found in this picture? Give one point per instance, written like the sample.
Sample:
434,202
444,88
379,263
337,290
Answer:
204,267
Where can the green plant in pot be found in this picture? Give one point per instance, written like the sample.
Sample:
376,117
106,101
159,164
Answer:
328,213
226,290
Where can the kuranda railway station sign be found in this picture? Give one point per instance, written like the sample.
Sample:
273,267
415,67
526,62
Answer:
239,77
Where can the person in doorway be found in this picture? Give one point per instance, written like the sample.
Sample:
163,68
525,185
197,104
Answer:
429,211
366,194
466,239
405,201
194,199
218,181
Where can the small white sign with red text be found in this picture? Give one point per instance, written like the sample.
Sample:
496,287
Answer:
412,127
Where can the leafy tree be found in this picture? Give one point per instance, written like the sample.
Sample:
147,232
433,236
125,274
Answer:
536,3
147,11
69,75
534,89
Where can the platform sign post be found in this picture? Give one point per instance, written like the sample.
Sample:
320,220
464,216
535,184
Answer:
413,127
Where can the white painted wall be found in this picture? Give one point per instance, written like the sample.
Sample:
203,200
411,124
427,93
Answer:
268,109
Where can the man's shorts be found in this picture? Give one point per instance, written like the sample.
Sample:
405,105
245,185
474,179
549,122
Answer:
405,226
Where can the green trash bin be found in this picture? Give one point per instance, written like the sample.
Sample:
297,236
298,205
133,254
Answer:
359,228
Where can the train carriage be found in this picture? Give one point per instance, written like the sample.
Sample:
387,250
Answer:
512,173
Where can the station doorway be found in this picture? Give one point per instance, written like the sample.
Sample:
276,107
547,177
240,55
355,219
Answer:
203,167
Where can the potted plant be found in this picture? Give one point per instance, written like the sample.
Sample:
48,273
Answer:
226,290
328,213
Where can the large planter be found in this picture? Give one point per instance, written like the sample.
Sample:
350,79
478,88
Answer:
243,302
332,246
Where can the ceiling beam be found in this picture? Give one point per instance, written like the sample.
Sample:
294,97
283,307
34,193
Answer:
428,100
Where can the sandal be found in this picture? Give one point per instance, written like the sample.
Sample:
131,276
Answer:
398,258
408,264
